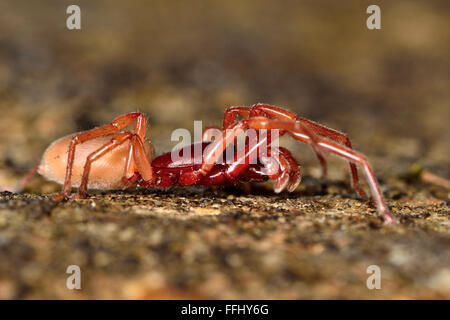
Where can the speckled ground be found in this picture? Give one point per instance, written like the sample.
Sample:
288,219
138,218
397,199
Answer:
203,243
387,89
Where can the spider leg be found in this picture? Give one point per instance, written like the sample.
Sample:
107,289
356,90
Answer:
228,119
282,114
244,156
216,148
295,172
24,180
140,159
230,115
139,128
117,124
288,170
283,168
343,151
271,112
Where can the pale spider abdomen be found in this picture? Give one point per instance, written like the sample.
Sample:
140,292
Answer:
106,172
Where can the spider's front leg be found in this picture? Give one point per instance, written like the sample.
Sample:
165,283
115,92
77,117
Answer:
287,170
273,112
282,114
279,163
343,151
297,130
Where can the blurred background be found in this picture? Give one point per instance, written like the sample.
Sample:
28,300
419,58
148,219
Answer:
180,61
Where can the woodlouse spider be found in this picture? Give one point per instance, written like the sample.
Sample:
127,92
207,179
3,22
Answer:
108,158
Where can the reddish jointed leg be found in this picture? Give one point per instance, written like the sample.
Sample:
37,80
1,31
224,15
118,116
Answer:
295,175
245,155
215,150
251,153
281,114
273,112
139,156
289,170
261,110
217,147
24,181
116,125
139,129
286,170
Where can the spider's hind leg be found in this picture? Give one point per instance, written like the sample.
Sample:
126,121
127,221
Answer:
143,166
116,125
20,186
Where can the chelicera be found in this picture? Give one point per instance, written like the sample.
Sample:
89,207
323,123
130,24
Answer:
108,158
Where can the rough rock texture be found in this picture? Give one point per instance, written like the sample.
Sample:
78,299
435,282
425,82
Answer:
180,62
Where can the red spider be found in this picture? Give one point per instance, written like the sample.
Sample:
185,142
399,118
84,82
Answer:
107,158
